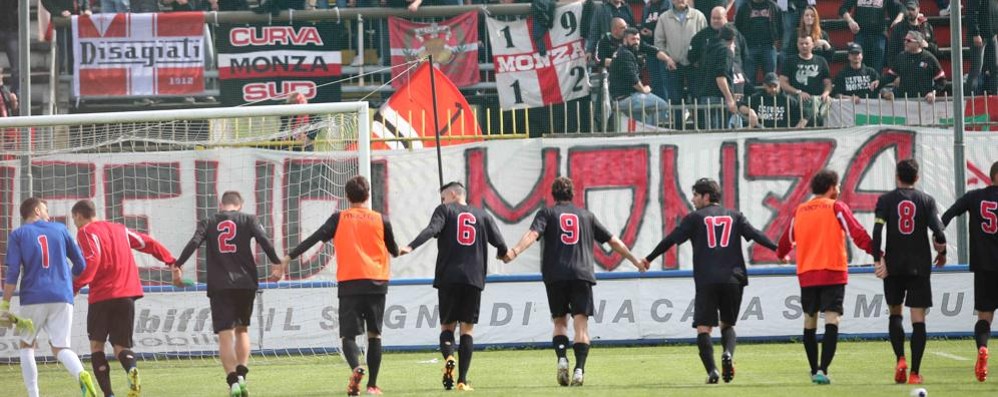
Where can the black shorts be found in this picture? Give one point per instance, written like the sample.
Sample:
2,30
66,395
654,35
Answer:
231,308
459,303
112,320
823,298
985,291
356,311
714,298
913,291
573,297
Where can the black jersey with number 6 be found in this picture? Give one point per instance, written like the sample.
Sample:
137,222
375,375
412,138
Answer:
906,213
983,207
230,256
462,232
716,234
567,233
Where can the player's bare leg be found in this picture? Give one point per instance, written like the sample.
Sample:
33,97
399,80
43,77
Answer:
71,361
465,351
706,348
895,330
918,339
728,341
982,330
581,347
373,362
447,350
560,344
227,354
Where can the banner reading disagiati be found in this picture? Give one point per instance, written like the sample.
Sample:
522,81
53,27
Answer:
633,309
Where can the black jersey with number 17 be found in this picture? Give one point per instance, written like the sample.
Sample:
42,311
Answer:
462,234
568,233
230,254
907,213
982,204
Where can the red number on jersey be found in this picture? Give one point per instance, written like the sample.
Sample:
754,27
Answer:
569,228
226,232
712,222
990,217
906,217
43,243
466,232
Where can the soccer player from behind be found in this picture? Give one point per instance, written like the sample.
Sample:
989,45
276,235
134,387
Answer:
37,252
462,232
232,281
905,265
982,204
718,270
818,229
114,284
363,240
569,233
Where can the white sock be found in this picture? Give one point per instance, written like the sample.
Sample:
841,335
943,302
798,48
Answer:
29,371
71,361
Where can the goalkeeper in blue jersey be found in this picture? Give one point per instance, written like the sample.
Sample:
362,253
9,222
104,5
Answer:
36,253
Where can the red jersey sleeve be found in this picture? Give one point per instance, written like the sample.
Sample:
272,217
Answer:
144,243
786,240
852,227
90,246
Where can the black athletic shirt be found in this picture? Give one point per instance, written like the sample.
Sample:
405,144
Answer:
717,248
983,207
568,242
856,82
462,232
907,213
775,111
807,75
230,255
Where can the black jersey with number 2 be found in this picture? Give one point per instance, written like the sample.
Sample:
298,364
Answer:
462,232
982,204
230,255
717,249
906,213
567,233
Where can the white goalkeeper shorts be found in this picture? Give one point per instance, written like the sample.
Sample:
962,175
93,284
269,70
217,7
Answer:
56,319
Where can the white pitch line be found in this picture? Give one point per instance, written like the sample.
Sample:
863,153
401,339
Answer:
951,356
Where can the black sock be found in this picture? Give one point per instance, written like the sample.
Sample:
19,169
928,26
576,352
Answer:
917,345
102,372
373,360
982,330
231,379
127,359
895,328
351,351
811,348
447,343
465,350
728,339
828,344
241,370
560,343
581,353
706,348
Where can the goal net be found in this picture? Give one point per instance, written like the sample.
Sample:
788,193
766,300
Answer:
159,172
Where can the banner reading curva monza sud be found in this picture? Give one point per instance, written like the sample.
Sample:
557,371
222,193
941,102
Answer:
263,64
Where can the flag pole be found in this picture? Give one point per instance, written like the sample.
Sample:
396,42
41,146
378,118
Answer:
436,123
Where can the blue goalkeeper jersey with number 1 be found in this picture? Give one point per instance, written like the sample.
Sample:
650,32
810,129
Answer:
39,251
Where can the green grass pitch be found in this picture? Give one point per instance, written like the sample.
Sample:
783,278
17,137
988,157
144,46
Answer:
860,369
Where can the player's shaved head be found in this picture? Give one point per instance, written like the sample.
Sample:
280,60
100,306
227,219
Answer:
907,171
454,187
358,189
85,209
823,181
562,189
232,198
29,205
994,173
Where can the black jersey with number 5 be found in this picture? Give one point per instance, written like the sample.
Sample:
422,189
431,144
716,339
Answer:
230,254
907,214
462,232
716,234
567,233
982,204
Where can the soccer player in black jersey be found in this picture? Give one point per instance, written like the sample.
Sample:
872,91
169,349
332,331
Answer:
982,204
905,265
462,232
232,281
567,269
718,270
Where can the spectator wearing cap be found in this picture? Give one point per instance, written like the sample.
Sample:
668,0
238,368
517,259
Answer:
916,73
982,33
633,98
868,23
673,33
719,80
911,19
762,23
771,108
808,77
856,80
